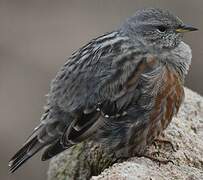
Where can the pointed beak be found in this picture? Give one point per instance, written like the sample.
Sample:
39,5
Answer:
185,28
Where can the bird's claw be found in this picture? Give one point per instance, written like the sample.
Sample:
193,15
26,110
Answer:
165,141
158,160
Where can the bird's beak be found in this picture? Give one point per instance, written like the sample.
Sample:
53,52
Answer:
185,28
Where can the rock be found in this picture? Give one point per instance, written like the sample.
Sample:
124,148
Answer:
145,169
88,160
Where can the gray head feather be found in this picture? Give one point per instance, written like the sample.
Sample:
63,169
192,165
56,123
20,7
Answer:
153,27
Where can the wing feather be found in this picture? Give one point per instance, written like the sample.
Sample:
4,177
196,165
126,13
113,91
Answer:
112,104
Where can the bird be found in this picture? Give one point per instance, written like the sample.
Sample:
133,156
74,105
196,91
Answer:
121,89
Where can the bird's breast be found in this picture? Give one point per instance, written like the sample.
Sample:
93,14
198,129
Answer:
167,103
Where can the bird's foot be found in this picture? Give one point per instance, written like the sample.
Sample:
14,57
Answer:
165,141
158,160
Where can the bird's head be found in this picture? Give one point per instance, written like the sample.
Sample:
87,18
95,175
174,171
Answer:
155,27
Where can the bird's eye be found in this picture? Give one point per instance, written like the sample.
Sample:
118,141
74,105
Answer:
161,28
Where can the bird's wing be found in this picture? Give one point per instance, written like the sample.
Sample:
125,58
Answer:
113,105
98,82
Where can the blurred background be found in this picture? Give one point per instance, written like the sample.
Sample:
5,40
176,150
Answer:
36,36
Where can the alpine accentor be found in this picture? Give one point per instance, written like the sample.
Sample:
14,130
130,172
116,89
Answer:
121,89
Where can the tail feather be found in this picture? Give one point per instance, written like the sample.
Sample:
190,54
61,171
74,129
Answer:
26,152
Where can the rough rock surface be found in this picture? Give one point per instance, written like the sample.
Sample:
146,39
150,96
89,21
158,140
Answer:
87,160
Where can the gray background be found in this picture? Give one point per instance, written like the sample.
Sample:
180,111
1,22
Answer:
36,35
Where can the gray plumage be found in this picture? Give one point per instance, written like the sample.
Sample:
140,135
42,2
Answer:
107,90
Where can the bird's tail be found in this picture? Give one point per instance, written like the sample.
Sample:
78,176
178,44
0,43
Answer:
30,148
